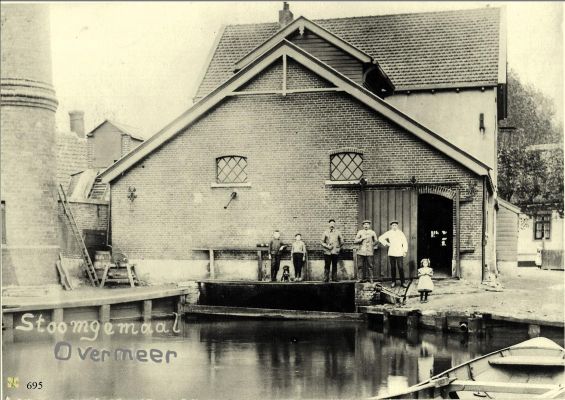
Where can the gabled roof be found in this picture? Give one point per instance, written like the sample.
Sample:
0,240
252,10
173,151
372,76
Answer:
509,206
342,83
300,24
123,128
462,48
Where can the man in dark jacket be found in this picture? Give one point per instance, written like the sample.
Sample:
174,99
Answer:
276,246
332,241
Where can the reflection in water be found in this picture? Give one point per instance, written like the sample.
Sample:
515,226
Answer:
246,360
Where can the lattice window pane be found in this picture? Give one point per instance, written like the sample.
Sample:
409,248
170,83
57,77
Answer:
346,166
542,227
231,169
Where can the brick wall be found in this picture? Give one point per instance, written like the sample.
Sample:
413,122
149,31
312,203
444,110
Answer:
287,141
298,77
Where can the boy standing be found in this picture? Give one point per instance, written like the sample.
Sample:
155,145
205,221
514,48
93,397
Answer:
366,238
298,254
276,246
397,245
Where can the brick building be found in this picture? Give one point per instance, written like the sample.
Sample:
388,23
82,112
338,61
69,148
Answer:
380,117
80,158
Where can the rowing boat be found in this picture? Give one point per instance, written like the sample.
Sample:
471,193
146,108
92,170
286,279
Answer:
531,369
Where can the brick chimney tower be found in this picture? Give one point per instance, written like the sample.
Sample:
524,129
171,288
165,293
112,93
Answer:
27,114
285,15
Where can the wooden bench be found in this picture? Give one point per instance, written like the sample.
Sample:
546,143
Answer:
260,258
530,361
258,249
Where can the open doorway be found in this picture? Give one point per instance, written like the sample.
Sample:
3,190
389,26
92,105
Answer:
435,232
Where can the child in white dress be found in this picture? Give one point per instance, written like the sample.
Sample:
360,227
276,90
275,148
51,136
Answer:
425,284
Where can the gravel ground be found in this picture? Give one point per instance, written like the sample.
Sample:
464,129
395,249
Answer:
526,293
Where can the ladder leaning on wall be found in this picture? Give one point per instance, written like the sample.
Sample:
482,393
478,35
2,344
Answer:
87,262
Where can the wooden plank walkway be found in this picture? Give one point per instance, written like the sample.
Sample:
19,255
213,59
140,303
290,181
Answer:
269,313
88,297
405,311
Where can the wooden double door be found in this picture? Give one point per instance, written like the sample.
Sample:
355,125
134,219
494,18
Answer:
382,206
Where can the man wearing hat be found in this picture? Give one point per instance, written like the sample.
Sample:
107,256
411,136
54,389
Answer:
397,245
332,240
366,238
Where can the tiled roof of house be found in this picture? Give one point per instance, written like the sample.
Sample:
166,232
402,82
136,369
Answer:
420,50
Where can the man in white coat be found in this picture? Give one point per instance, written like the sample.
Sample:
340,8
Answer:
397,245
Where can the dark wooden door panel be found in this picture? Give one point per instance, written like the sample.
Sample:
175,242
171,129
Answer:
382,206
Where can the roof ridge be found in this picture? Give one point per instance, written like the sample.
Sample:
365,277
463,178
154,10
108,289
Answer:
409,13
254,23
374,15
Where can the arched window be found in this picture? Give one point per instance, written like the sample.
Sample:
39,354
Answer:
346,166
231,169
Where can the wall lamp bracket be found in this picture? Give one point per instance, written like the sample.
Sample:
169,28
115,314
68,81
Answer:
482,123
233,195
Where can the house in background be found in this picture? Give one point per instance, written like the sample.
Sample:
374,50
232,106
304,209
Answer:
507,228
541,224
541,230
81,157
109,141
377,117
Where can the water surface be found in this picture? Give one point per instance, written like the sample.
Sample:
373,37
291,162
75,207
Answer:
242,359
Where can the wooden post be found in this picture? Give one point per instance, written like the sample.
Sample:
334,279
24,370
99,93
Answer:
457,235
212,268
7,320
104,313
7,327
284,75
440,323
355,277
533,330
475,325
147,310
260,265
412,321
57,315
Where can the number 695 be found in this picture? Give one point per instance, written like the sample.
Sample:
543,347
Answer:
34,385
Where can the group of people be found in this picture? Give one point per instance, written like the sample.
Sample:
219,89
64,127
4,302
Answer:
332,242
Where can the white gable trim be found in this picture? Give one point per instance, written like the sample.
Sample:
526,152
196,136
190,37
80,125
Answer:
502,46
319,68
509,206
300,24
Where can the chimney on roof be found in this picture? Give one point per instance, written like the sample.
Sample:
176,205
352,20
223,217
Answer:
77,122
285,15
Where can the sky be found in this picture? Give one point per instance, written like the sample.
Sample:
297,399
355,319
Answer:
140,63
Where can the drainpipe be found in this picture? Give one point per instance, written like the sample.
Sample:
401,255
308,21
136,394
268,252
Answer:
484,230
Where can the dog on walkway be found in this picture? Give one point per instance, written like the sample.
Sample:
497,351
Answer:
285,274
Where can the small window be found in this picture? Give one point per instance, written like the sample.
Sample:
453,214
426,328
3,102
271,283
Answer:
542,226
3,222
231,169
346,166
